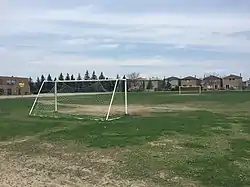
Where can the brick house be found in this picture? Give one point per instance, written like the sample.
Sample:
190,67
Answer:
212,83
190,82
14,86
232,82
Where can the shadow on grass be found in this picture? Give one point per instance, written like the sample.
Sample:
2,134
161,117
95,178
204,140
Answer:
132,131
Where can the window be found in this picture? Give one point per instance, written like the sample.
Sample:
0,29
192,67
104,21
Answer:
1,82
11,82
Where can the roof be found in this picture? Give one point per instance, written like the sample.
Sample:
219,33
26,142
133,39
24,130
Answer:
190,78
172,78
211,77
12,77
232,76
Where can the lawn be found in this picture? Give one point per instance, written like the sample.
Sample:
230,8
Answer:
191,141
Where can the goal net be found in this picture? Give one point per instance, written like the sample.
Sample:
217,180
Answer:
82,99
194,90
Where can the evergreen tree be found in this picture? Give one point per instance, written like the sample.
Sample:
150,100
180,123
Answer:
42,78
87,77
49,85
32,85
86,86
168,85
93,77
79,77
49,78
72,77
150,85
79,84
60,85
101,77
67,77
38,84
61,78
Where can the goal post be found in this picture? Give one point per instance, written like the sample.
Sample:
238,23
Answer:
104,99
194,90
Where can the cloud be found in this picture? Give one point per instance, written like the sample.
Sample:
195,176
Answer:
148,36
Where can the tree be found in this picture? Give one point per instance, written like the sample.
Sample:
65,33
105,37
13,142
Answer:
32,85
67,77
133,81
86,76
93,77
49,84
150,85
168,85
42,78
72,77
61,78
38,84
101,76
79,77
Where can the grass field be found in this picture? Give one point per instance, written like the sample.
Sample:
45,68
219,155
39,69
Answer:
192,141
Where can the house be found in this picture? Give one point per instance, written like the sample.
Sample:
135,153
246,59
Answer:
174,81
232,82
212,83
190,82
14,85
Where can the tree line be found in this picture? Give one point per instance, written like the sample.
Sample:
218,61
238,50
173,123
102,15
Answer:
76,86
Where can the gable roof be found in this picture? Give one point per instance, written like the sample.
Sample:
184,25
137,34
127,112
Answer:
232,76
172,78
190,78
211,77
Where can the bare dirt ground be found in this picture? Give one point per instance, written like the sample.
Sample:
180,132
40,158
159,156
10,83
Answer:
140,110
56,166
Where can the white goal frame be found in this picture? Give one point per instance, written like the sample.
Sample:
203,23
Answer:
199,89
77,81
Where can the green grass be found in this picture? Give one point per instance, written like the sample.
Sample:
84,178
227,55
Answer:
209,146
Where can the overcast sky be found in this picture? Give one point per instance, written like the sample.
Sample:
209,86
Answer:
153,37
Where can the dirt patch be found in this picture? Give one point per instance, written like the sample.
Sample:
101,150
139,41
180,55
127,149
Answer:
140,110
57,166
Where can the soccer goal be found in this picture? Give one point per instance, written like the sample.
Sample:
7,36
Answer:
194,90
82,99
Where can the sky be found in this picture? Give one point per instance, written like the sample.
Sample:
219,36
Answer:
155,38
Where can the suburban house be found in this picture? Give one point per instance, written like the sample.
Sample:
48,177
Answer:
212,83
174,81
190,82
14,85
232,82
